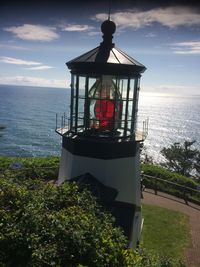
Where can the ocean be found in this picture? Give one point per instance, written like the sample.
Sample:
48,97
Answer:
28,120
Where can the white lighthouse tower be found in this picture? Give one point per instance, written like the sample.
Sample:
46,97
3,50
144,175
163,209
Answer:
100,139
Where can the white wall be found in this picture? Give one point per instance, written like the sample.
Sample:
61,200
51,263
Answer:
122,174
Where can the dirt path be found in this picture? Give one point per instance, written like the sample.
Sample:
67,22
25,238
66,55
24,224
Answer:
192,254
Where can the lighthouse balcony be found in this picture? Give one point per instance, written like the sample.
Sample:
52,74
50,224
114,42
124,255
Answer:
121,130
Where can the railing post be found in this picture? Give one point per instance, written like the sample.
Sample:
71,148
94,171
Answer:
155,186
185,196
64,119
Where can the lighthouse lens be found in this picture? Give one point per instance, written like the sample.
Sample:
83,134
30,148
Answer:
105,104
104,111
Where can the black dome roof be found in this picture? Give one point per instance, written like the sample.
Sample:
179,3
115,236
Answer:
106,58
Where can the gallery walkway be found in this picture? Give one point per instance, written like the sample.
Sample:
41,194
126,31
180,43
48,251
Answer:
192,254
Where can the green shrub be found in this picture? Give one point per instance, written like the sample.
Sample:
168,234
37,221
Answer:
42,224
43,168
45,225
160,172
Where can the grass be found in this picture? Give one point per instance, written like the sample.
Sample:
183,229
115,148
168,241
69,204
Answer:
165,232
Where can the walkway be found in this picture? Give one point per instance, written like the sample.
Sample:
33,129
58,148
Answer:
192,254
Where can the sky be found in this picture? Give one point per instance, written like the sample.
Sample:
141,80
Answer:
37,38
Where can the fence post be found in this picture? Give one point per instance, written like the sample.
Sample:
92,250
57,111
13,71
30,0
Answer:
64,119
185,196
156,188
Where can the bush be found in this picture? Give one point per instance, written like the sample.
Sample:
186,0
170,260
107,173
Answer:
23,168
160,172
45,225
42,224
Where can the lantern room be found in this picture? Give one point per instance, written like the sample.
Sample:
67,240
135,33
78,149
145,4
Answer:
100,141
104,90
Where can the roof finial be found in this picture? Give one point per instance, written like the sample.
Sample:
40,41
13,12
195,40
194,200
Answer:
108,27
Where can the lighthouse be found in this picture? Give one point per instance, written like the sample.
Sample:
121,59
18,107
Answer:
100,141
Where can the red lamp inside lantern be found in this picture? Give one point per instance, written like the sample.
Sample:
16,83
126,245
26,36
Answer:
106,104
104,112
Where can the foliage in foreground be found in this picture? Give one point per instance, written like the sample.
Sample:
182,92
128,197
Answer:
45,225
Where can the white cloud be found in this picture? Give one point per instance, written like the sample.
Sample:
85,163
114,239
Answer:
34,81
171,17
94,33
192,47
42,67
76,28
32,32
14,47
17,61
150,35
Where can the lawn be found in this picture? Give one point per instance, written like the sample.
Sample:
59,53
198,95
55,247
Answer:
165,232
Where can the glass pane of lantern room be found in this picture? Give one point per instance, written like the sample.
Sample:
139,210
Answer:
81,102
131,106
123,84
92,87
131,92
73,102
135,102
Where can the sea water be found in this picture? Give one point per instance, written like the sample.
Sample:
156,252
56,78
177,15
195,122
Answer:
28,120
172,118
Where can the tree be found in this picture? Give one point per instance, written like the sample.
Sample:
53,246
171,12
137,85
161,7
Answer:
181,158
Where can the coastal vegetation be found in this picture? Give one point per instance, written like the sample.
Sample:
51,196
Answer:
22,168
47,225
178,175
43,224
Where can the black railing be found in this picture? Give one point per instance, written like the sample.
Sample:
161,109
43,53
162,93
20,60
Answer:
63,125
175,189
